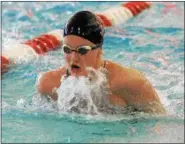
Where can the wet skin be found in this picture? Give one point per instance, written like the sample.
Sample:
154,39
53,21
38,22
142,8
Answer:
128,86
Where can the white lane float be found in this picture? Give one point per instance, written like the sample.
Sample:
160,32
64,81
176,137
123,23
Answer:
31,48
53,40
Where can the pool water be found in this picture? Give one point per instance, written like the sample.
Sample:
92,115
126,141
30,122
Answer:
152,42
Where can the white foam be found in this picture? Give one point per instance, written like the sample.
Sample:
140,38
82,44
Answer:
82,95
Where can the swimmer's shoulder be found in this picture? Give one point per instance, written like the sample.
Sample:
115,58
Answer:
120,70
54,74
49,80
133,86
125,77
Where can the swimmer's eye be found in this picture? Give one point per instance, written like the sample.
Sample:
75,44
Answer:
67,49
83,49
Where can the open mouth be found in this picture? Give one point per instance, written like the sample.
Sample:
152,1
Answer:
74,66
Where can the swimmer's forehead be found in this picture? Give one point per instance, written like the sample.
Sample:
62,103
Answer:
76,41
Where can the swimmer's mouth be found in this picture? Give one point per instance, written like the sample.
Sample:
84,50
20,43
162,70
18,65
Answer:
75,66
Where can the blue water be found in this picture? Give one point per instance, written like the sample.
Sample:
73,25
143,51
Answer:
152,42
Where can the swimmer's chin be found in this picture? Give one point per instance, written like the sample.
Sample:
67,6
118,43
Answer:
89,72
78,73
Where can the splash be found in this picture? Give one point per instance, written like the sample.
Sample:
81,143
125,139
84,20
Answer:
85,95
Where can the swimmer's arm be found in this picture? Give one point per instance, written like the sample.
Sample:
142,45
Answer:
47,85
138,91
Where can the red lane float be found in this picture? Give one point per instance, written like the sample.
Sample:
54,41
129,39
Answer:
52,40
4,63
137,7
44,43
120,14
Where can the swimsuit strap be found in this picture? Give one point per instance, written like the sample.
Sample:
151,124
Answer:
104,63
67,73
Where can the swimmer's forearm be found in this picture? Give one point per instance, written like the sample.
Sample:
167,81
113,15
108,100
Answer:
52,94
145,98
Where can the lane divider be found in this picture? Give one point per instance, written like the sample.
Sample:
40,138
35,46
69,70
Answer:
4,63
44,43
53,40
122,13
31,48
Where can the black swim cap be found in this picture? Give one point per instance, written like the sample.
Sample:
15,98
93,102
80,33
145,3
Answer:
86,25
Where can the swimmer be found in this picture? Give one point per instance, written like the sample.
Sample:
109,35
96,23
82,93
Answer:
82,47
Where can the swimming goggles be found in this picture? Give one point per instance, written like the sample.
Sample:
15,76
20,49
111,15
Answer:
81,50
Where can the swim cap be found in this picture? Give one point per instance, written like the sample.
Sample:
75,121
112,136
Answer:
85,24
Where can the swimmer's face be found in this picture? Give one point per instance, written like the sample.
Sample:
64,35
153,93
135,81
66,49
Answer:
76,62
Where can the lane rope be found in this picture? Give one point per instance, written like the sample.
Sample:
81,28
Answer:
52,40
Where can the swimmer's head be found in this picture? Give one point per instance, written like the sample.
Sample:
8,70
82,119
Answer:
83,40
87,25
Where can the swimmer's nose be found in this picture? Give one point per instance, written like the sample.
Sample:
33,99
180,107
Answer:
74,55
